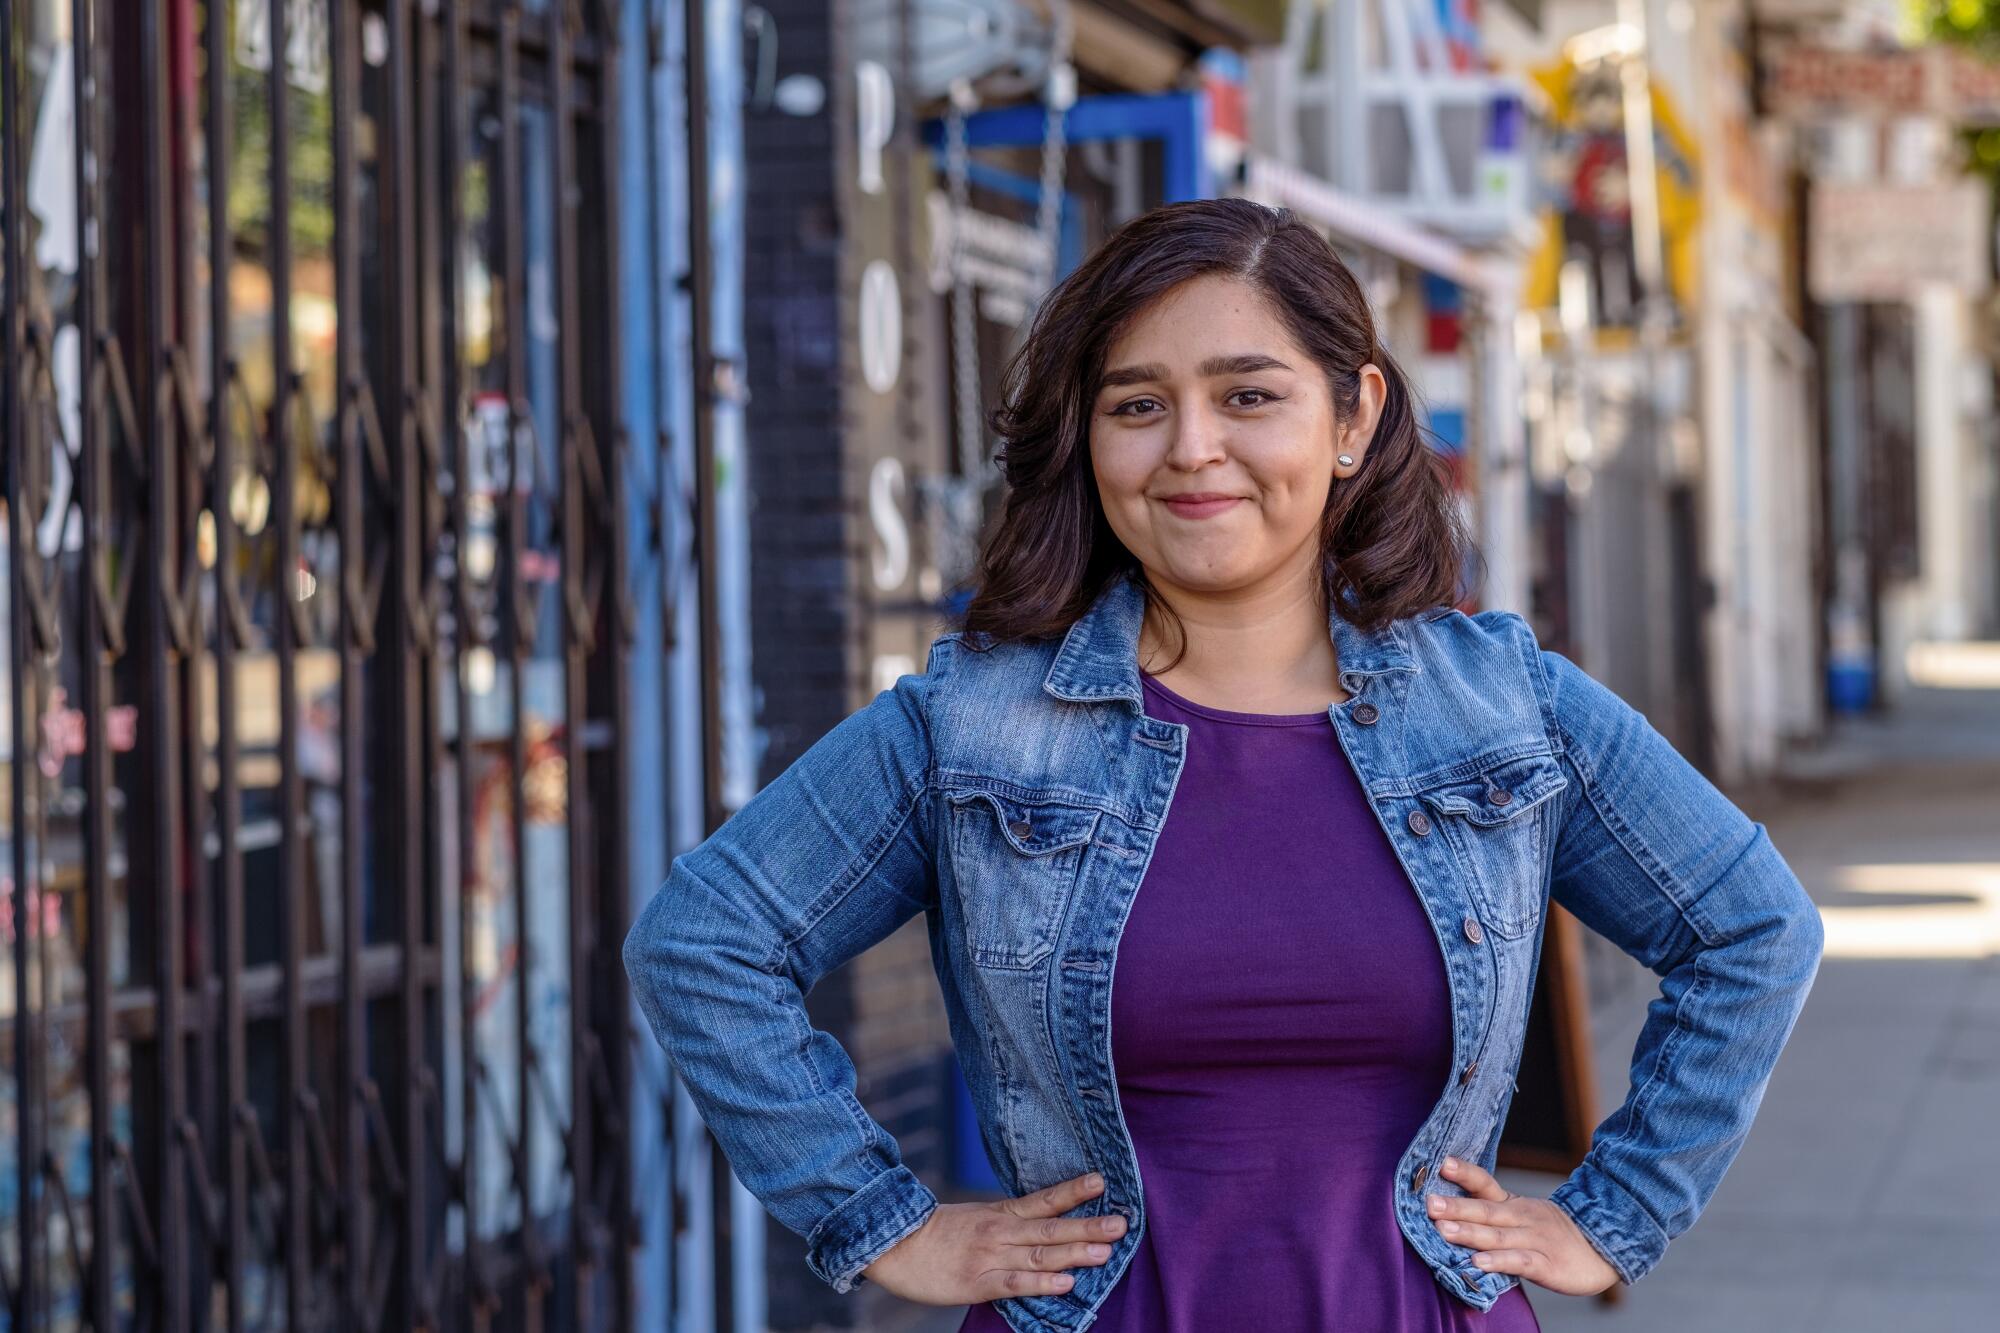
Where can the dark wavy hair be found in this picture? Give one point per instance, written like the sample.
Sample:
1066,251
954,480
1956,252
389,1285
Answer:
1391,539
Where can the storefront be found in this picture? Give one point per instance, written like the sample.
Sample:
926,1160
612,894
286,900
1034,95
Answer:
343,481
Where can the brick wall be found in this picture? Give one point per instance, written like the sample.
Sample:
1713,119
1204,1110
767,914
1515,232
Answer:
806,546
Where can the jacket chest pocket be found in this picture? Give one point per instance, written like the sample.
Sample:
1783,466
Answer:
1014,862
1500,824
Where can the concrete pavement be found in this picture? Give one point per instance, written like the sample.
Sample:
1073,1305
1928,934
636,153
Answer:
1865,1197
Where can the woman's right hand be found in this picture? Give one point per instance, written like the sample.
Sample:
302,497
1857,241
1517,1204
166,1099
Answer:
968,1253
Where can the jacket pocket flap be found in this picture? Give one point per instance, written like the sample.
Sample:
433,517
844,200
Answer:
1034,828
1502,792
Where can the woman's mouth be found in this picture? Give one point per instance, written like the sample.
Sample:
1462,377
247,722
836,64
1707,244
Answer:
1200,505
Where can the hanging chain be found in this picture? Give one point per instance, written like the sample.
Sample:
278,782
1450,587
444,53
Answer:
1058,94
972,459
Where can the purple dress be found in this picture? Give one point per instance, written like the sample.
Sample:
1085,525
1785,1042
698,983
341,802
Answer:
1280,1028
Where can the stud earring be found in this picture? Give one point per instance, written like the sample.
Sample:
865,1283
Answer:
1347,460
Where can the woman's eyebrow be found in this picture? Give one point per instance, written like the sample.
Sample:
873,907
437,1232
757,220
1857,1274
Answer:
1241,363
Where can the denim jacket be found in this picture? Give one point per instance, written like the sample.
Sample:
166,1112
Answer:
1013,793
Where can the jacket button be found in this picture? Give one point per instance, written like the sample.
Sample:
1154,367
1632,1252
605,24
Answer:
1420,823
1472,930
1366,714
1020,828
1417,1181
1500,796
1470,1070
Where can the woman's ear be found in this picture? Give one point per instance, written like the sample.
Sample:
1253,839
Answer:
1358,430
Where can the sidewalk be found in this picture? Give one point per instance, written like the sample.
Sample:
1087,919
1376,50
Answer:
1864,1198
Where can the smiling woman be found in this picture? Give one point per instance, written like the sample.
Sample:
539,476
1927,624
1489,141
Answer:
1209,390
1212,384
1212,465
1235,838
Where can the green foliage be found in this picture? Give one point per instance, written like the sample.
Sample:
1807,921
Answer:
308,157
1973,23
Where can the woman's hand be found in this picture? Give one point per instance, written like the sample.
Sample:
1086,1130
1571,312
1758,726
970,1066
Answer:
1514,1233
967,1253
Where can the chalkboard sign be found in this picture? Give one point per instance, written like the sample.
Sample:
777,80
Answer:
1554,1108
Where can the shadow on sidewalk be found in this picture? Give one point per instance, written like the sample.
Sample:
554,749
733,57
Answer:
1859,1200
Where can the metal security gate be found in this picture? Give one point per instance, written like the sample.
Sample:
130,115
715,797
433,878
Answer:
315,871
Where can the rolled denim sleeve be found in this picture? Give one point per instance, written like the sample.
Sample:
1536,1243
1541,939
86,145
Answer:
827,860
1653,857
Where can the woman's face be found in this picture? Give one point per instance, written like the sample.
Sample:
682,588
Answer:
1213,438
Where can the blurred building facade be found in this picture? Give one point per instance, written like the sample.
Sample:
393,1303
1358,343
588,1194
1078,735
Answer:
1585,227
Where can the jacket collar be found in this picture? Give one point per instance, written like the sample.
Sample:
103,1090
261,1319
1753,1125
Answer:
1099,657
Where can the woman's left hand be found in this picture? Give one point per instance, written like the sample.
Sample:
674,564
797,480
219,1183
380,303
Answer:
1515,1233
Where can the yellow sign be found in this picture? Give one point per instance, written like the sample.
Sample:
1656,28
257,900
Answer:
1586,187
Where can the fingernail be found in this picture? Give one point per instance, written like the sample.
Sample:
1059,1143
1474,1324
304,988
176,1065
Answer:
1099,1251
1064,1279
1451,1164
1449,1228
1094,1179
1437,1204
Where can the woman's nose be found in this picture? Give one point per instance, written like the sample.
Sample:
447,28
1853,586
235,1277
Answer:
1199,437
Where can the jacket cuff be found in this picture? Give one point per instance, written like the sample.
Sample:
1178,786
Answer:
1611,1220
864,1226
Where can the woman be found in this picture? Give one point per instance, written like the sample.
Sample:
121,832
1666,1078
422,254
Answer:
1213,654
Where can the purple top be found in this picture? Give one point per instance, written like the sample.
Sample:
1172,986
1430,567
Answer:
1280,1028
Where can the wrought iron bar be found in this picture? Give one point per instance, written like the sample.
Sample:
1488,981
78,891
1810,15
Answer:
95,664
228,868
26,1297
477,1302
575,557
604,982
356,645
407,717
203,1126
154,880
520,623
289,409
135,1203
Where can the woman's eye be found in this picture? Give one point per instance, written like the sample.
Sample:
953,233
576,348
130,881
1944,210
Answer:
1120,410
1140,406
